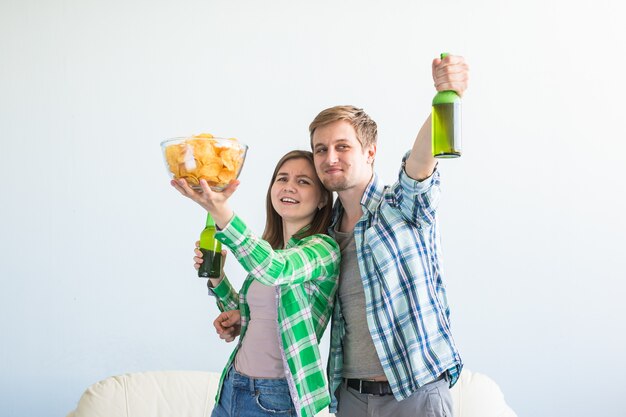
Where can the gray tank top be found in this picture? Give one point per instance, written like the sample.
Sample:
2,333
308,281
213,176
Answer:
259,355
360,359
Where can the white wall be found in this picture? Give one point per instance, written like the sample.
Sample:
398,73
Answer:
96,247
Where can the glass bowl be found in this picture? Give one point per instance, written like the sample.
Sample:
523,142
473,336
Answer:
217,160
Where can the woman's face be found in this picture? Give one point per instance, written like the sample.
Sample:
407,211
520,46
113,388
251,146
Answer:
297,193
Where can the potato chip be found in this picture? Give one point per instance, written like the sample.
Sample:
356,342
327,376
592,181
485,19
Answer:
207,157
173,157
182,171
211,169
192,180
204,135
226,175
229,158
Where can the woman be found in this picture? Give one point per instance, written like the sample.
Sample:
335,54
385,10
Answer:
285,302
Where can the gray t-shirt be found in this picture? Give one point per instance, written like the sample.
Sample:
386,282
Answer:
360,359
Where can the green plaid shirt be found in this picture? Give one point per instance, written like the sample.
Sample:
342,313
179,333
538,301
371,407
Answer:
305,276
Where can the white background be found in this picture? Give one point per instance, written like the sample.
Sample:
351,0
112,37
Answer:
96,247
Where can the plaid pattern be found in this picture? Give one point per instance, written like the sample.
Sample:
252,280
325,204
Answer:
399,256
305,276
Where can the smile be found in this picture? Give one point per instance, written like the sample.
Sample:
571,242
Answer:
288,200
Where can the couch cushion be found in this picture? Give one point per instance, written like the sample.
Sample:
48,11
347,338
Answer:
153,394
477,395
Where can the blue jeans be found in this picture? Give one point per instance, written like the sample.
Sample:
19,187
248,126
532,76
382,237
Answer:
253,397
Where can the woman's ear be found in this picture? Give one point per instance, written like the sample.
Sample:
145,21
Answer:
323,201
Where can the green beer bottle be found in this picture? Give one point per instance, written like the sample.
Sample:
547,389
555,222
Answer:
211,248
446,123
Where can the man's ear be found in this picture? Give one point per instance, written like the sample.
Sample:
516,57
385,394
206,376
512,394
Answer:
371,153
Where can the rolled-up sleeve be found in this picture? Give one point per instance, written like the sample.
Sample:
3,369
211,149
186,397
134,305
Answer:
418,200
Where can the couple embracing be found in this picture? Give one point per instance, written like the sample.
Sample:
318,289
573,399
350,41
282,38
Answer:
371,261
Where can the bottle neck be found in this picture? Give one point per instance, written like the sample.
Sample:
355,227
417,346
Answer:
210,223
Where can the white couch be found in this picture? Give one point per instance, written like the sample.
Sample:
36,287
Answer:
192,394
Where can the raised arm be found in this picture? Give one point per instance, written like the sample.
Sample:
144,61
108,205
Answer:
451,73
314,257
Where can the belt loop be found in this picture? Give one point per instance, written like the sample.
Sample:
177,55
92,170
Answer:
360,386
251,384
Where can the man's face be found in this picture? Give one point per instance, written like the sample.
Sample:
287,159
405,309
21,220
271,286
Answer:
340,160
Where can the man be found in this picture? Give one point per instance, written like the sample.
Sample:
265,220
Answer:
392,352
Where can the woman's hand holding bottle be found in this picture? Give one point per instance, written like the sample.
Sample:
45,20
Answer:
198,259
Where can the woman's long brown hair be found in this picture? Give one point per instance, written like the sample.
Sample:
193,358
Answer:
274,224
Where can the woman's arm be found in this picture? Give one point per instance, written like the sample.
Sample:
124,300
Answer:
314,257
225,295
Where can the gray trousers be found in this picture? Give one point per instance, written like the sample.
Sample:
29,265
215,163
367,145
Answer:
431,400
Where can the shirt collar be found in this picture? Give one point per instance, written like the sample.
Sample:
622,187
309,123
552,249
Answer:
373,193
369,201
293,240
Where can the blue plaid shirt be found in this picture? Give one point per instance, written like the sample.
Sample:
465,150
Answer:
399,257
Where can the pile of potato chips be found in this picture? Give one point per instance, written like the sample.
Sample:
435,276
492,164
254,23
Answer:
218,161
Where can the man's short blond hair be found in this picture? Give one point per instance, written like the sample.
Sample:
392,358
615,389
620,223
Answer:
365,128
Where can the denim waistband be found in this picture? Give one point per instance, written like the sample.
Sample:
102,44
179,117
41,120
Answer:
242,381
